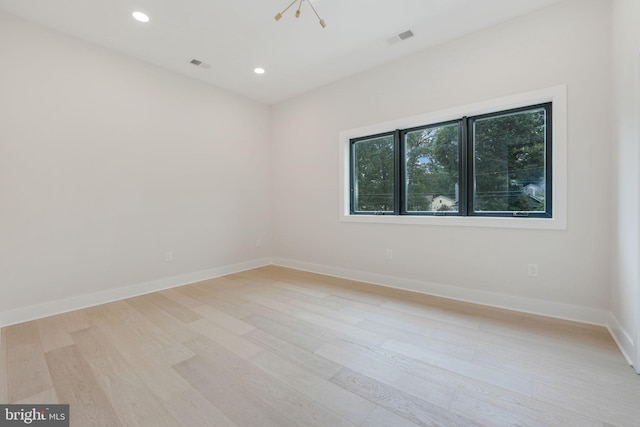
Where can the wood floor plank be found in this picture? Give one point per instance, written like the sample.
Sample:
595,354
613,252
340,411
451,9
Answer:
220,284
300,409
229,340
598,350
380,417
431,313
203,294
274,305
386,323
574,370
327,302
347,405
191,409
346,289
492,376
302,290
454,350
27,372
120,383
138,327
241,407
53,333
342,329
318,326
75,384
267,275
482,339
614,408
317,309
76,320
233,305
179,297
507,414
222,287
151,369
509,401
309,361
224,320
418,325
177,310
490,415
293,331
178,330
509,322
359,361
4,378
46,397
544,369
400,403
315,333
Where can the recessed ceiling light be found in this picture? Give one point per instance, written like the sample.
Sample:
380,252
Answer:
139,16
258,70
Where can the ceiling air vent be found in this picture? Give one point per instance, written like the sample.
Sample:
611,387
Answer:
406,35
199,63
400,37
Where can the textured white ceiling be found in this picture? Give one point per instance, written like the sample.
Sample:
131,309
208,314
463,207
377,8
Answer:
235,36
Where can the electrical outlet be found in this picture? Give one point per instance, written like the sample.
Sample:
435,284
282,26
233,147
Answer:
389,254
533,270
168,256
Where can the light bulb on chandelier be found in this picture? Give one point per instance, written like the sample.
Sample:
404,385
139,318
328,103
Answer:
320,20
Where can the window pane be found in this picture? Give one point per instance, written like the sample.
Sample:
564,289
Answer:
509,162
373,174
432,169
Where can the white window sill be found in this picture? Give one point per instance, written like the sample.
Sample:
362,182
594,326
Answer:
460,221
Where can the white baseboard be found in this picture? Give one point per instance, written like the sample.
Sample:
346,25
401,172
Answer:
25,314
622,338
527,305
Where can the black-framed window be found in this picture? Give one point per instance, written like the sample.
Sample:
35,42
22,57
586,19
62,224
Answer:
496,164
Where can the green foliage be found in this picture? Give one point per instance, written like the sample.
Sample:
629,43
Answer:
432,165
374,174
508,156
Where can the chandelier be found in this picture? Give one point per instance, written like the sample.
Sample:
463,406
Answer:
279,15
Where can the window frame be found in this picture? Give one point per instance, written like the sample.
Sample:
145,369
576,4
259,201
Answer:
470,179
557,95
401,184
352,178
466,167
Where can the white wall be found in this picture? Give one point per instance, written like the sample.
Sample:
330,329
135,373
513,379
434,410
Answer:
568,43
625,295
106,163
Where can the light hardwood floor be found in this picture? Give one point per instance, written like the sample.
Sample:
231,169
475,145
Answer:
279,347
